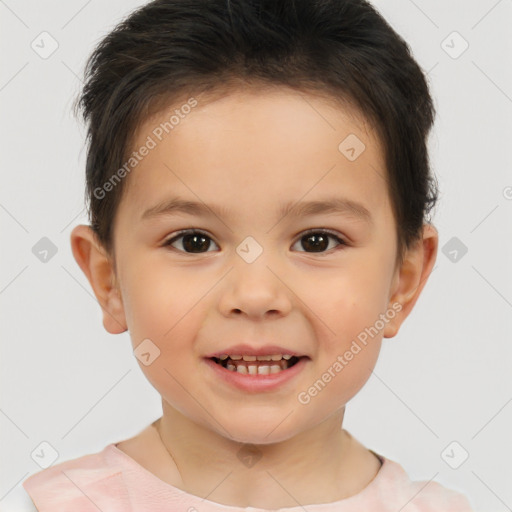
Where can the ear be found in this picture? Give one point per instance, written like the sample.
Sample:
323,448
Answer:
411,277
97,266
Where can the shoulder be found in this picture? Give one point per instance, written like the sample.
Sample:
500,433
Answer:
85,483
418,496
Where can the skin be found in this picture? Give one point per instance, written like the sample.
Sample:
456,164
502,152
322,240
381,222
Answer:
249,152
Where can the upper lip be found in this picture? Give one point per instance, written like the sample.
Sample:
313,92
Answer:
247,350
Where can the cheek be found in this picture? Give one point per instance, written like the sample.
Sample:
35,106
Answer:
166,307
164,327
158,299
352,303
351,332
345,360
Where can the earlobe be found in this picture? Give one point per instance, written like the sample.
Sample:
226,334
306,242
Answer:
97,266
411,278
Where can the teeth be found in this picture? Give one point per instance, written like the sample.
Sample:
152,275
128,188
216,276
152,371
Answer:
263,369
274,357
253,369
255,365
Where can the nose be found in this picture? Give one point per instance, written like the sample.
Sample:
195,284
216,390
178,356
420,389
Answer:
256,291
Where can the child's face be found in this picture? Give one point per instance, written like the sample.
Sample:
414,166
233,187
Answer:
246,157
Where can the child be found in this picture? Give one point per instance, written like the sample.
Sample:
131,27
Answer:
286,139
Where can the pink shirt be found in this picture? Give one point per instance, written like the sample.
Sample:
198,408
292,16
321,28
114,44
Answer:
111,481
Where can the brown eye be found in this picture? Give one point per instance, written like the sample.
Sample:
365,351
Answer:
193,242
318,241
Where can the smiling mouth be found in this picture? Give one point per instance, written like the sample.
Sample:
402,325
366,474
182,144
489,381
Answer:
257,367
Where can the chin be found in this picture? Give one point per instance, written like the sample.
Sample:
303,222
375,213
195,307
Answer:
257,432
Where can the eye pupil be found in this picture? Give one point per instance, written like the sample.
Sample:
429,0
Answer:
321,242
189,242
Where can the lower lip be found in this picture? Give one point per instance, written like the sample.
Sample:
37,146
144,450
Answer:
257,383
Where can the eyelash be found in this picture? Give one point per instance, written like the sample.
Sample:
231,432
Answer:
182,233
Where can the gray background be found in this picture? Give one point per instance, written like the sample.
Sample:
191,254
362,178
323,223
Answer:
444,378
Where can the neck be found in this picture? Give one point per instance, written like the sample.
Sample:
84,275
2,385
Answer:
319,465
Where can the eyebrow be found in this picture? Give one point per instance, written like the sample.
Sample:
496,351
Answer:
335,205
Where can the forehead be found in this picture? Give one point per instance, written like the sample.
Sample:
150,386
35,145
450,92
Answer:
252,143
